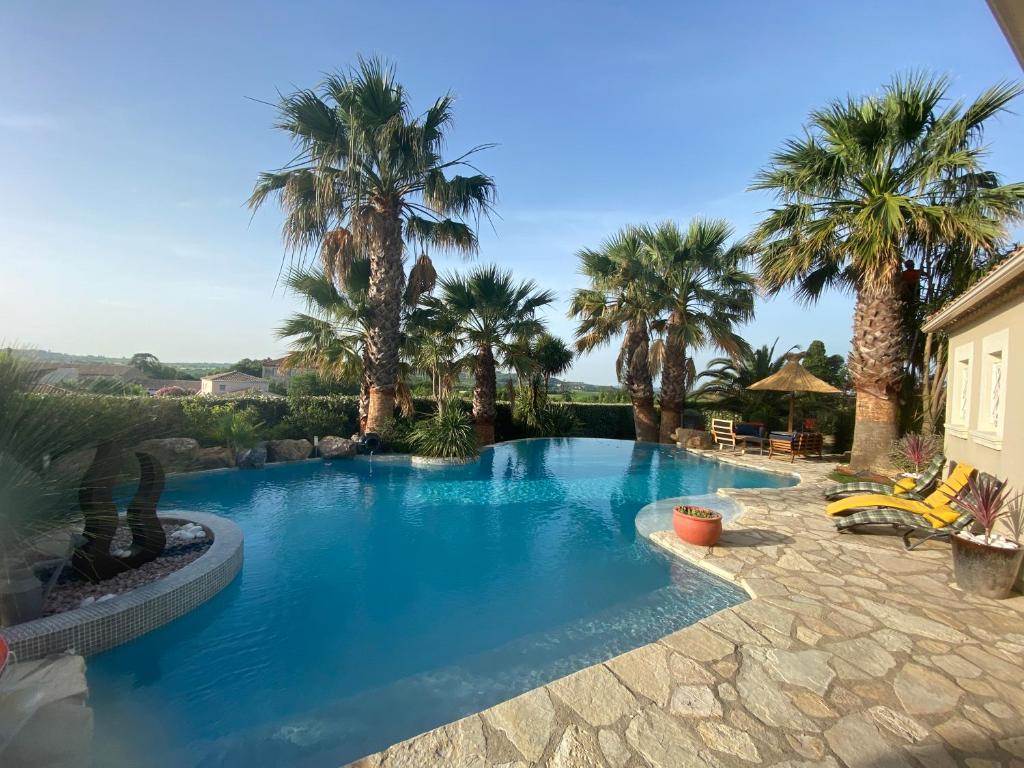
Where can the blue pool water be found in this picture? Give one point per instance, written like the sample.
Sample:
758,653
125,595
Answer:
378,600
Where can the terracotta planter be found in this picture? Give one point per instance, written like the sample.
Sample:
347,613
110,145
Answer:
985,570
699,531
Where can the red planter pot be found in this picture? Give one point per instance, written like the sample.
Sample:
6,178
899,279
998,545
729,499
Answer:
699,531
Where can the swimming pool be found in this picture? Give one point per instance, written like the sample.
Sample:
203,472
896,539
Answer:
378,600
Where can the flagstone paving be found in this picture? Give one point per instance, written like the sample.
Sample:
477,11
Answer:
851,652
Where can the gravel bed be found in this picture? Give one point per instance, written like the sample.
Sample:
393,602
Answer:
70,592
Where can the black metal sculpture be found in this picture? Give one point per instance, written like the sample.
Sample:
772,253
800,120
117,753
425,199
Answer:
93,560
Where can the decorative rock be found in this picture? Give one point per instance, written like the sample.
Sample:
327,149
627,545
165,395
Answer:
526,720
331,447
175,454
722,738
645,672
576,748
596,695
695,701
213,458
923,692
252,458
288,450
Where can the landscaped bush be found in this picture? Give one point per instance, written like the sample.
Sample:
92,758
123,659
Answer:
448,433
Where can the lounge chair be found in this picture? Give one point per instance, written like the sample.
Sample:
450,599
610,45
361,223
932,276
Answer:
913,522
795,444
935,505
909,487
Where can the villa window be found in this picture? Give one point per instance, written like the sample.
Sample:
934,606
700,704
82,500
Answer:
992,410
961,372
222,387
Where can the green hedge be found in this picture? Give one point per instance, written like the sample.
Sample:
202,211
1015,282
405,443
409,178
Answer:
295,417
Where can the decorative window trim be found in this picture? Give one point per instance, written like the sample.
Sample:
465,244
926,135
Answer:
987,439
992,397
962,390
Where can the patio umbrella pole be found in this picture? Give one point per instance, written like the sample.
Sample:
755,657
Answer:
792,398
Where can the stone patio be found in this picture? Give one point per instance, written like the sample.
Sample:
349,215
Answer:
851,652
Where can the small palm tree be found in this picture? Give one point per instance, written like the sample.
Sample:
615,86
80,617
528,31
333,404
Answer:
704,294
868,182
726,380
367,178
618,301
491,312
552,356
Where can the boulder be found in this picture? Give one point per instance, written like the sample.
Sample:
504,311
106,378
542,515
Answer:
175,454
214,458
692,438
336,448
252,458
289,450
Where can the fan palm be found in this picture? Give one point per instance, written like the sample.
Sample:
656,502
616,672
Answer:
704,293
870,179
367,177
726,381
491,313
618,301
552,356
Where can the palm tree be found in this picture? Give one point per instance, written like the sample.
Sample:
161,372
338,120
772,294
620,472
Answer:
726,381
618,301
704,294
869,180
331,338
368,177
552,356
491,312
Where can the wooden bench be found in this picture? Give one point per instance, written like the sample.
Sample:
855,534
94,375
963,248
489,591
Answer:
793,445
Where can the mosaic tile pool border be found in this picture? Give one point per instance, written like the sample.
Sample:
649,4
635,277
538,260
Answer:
101,626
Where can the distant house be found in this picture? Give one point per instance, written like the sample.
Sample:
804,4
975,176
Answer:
232,381
274,369
985,372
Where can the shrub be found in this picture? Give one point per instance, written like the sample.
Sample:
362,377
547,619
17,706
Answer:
235,429
171,392
449,433
912,452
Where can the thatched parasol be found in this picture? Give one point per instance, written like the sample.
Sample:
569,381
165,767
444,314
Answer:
793,377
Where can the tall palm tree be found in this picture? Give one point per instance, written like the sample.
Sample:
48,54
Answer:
492,312
618,301
704,294
869,179
367,177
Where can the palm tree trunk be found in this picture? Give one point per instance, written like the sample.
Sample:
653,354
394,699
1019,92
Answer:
384,299
673,376
485,393
876,367
637,378
365,381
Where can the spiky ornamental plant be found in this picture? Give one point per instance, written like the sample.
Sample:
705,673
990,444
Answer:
448,433
367,179
868,180
986,501
912,452
1014,517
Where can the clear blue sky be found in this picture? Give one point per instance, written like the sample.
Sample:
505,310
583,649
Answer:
130,141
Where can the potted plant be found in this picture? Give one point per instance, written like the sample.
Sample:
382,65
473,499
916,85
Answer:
986,563
697,525
912,452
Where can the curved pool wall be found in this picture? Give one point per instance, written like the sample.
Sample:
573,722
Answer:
380,600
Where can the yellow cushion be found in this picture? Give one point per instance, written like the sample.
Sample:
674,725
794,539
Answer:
903,485
852,503
940,517
950,487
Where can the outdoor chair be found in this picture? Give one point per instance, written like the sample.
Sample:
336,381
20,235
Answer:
913,523
934,507
909,487
795,444
723,434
